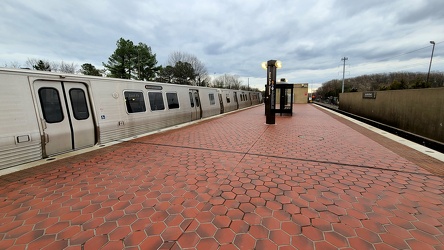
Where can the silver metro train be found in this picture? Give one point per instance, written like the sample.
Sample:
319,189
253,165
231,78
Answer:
44,114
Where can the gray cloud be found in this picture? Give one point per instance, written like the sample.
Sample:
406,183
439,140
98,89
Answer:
232,37
421,11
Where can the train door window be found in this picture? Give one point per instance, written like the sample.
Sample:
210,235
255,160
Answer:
196,95
173,102
212,100
191,100
156,101
51,106
78,103
134,102
228,98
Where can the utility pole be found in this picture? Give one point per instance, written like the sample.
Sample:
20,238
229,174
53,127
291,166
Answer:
343,72
428,74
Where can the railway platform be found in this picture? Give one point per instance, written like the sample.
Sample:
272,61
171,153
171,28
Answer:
314,180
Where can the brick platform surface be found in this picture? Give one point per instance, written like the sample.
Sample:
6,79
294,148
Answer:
312,181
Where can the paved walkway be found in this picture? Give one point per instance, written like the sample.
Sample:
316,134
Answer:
311,181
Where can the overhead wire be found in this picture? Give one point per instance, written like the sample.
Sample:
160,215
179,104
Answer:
386,59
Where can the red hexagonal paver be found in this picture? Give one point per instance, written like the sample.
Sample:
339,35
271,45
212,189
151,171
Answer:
206,230
188,239
301,220
259,232
280,237
155,228
224,236
235,214
219,210
336,239
221,221
302,242
171,233
208,244
244,241
232,183
368,235
151,242
247,207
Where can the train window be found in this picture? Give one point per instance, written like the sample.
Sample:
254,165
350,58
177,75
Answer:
156,101
191,100
196,95
173,102
51,106
228,98
212,100
134,102
78,103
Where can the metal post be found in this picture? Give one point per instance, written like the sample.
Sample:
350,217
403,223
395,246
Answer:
343,72
270,92
248,86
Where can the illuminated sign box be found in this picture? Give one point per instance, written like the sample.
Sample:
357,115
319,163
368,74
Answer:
369,95
153,87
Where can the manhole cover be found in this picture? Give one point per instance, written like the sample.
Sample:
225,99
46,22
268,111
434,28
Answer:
311,137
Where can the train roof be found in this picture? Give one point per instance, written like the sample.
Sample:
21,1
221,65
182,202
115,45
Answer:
63,75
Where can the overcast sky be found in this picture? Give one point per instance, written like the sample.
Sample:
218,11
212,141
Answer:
232,36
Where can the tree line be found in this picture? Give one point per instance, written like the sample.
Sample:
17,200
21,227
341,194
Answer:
138,62
381,82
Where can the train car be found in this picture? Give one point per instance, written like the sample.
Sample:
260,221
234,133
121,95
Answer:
43,114
255,97
244,99
229,100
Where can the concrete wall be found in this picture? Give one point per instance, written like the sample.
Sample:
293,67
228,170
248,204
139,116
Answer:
419,111
300,93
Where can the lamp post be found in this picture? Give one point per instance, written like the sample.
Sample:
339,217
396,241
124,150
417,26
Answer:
270,89
430,65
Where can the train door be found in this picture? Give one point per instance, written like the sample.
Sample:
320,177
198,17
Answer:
65,112
221,102
235,100
196,111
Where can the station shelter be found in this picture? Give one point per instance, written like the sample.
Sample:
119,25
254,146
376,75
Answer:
288,94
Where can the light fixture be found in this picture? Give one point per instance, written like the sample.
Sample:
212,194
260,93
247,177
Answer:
264,65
